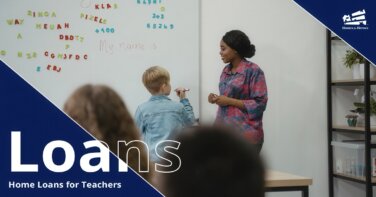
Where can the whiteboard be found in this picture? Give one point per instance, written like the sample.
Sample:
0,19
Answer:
58,46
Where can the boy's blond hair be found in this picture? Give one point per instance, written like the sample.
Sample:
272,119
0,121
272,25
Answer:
154,77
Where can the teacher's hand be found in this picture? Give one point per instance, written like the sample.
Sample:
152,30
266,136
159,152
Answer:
222,100
212,98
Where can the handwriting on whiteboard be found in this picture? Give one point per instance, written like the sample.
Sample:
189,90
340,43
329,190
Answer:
109,47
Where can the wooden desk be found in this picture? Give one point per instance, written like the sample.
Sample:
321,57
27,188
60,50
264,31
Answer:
281,181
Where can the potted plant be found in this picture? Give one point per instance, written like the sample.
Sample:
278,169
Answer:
353,60
360,110
351,119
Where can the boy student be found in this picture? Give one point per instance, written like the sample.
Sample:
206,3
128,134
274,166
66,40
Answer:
160,118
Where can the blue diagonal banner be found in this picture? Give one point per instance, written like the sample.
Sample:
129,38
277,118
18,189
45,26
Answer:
28,122
352,20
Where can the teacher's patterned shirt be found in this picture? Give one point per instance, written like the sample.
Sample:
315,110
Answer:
248,84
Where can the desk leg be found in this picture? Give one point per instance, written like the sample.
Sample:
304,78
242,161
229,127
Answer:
303,189
305,192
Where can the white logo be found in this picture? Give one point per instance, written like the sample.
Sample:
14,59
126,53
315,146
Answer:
357,19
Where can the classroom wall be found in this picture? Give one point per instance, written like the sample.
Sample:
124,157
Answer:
290,48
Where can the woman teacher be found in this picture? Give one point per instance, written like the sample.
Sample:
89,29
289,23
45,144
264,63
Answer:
243,92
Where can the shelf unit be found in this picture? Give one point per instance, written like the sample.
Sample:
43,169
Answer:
366,131
352,82
347,129
353,178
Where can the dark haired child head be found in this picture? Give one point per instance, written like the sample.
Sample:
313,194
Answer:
215,162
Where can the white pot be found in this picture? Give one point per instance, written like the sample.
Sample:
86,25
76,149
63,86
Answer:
372,71
356,71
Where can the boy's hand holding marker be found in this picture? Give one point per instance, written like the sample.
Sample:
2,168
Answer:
180,92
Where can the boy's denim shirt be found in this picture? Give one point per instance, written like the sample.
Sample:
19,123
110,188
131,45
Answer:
160,119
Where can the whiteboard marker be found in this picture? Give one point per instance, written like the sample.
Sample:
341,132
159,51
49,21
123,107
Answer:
185,89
